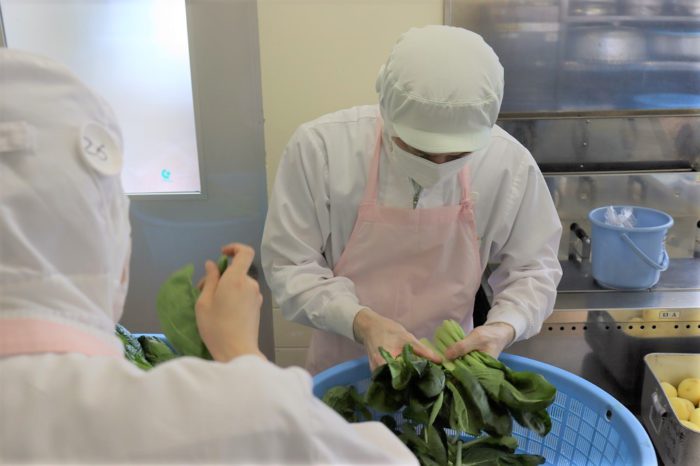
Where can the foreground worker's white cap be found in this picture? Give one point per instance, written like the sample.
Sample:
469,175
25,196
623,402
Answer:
64,226
441,89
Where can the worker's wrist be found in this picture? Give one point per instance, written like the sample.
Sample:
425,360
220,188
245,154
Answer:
362,322
226,354
505,330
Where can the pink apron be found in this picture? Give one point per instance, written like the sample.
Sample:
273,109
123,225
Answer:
415,266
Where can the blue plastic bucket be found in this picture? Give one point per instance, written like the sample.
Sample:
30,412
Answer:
629,258
589,426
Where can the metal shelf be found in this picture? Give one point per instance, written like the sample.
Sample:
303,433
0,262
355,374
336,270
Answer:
632,19
656,65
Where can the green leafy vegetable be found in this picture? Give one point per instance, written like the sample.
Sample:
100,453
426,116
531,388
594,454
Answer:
462,418
222,264
524,395
381,395
156,350
437,405
348,403
175,305
432,382
132,348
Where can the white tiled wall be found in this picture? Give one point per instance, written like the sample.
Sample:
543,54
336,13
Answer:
291,340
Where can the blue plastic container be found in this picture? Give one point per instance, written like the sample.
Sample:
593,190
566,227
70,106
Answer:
666,100
589,427
629,258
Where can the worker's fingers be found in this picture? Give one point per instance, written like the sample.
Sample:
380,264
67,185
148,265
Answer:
462,347
209,282
200,283
421,350
242,257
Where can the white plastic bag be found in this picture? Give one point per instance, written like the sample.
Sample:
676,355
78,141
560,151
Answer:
624,218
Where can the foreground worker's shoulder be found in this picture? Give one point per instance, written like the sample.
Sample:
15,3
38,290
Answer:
341,124
504,141
377,434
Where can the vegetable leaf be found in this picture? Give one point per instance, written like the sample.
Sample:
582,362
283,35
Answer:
381,395
132,348
462,419
175,304
222,264
156,350
348,403
539,421
432,382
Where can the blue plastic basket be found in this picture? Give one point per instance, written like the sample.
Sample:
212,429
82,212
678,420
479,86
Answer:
589,427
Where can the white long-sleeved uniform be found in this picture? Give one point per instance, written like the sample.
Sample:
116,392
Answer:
77,409
320,182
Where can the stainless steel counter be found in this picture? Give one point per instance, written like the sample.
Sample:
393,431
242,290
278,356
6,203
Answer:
602,335
678,288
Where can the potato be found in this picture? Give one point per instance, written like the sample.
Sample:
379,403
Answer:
695,417
690,390
681,408
669,389
691,425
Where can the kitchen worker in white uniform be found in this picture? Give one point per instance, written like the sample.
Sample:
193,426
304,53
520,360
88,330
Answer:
383,218
67,394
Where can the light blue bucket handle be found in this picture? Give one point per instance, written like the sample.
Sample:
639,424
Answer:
664,260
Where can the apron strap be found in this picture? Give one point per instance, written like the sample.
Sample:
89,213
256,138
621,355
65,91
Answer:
370,196
32,336
464,183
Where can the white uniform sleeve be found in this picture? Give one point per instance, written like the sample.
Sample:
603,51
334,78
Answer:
185,411
297,231
524,283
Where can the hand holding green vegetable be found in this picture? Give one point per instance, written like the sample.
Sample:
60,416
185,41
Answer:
374,331
491,339
228,308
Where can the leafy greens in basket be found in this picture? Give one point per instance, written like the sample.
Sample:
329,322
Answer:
473,395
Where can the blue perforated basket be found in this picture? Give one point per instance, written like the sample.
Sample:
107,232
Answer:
589,427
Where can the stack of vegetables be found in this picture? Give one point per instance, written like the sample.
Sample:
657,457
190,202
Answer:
175,304
460,412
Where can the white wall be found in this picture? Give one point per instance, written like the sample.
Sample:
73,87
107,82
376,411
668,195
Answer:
318,56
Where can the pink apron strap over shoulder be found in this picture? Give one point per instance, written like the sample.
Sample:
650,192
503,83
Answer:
33,336
370,195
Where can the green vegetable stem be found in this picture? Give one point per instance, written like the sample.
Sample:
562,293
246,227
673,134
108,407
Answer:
525,395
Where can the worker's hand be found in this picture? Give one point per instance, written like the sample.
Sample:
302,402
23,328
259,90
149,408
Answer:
490,338
373,331
228,309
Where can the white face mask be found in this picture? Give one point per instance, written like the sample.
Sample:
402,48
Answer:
422,171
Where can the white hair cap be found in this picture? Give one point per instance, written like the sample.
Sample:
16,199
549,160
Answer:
441,89
64,226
